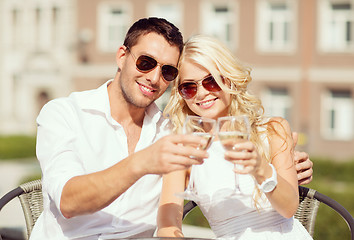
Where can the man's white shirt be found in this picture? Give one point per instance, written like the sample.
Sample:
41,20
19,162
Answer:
77,136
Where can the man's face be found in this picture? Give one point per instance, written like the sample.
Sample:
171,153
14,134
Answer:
142,88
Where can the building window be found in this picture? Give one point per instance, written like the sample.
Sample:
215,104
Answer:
38,18
218,19
170,10
336,25
113,23
55,24
277,103
276,25
338,115
15,28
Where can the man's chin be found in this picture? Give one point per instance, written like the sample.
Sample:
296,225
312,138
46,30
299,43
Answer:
143,103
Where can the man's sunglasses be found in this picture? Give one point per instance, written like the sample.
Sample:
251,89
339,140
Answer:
146,64
189,89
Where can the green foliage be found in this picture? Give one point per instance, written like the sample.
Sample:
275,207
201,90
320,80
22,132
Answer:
336,180
330,170
16,147
332,178
330,225
30,178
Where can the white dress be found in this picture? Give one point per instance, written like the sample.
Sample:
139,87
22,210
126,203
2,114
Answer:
237,217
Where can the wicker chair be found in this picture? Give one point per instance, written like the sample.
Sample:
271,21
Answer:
30,196
310,200
306,213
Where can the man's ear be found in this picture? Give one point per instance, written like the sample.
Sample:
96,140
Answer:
121,56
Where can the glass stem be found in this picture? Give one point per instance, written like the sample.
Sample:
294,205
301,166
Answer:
237,186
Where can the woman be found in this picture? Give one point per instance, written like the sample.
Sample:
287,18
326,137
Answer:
212,83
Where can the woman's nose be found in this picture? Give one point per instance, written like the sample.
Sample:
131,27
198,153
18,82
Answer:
201,91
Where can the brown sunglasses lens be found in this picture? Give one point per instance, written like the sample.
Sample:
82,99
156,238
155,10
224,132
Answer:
169,73
189,89
146,63
211,85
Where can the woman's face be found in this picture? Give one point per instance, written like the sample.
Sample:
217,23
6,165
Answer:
204,103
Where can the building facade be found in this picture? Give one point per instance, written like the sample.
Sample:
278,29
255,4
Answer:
301,53
35,61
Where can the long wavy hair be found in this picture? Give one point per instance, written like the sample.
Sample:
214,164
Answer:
233,77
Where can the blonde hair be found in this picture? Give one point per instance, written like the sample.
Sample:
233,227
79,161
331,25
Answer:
232,76
222,65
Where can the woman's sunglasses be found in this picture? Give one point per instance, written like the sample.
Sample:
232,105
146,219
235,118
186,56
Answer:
146,64
188,90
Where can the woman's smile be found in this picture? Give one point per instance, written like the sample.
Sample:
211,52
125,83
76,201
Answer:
207,103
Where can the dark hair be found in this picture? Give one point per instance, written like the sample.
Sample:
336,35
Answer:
157,25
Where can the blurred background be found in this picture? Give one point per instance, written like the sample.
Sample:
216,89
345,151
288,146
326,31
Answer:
301,53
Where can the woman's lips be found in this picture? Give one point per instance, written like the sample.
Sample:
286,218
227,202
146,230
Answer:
207,104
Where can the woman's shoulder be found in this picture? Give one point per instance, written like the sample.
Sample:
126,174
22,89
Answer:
278,123
277,119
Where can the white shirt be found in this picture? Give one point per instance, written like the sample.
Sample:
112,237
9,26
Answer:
77,135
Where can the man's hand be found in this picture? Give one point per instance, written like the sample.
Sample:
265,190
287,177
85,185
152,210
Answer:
171,153
303,164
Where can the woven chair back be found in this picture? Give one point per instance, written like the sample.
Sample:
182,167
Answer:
32,203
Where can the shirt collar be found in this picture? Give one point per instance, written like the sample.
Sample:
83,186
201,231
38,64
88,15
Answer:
153,112
98,100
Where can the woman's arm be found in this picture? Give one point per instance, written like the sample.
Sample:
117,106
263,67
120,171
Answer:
284,198
170,212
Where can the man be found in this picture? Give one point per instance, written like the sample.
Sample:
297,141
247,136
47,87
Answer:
102,152
303,165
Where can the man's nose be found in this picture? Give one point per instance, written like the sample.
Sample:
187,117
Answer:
155,75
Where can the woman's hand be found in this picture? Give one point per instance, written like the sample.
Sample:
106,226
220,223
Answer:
246,155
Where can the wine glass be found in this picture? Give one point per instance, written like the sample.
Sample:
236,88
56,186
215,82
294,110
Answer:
204,127
231,131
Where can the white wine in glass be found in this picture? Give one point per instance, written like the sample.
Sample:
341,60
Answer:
203,127
230,139
207,136
231,131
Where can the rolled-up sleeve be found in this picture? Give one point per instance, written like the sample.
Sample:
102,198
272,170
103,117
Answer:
56,140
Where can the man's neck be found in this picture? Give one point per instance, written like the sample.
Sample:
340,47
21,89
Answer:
130,117
122,111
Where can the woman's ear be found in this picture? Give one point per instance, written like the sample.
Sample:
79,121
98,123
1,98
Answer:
227,85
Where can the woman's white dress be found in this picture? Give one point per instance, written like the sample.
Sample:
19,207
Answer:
237,217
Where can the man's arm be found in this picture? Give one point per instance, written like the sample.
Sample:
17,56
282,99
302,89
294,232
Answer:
303,164
90,193
74,191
